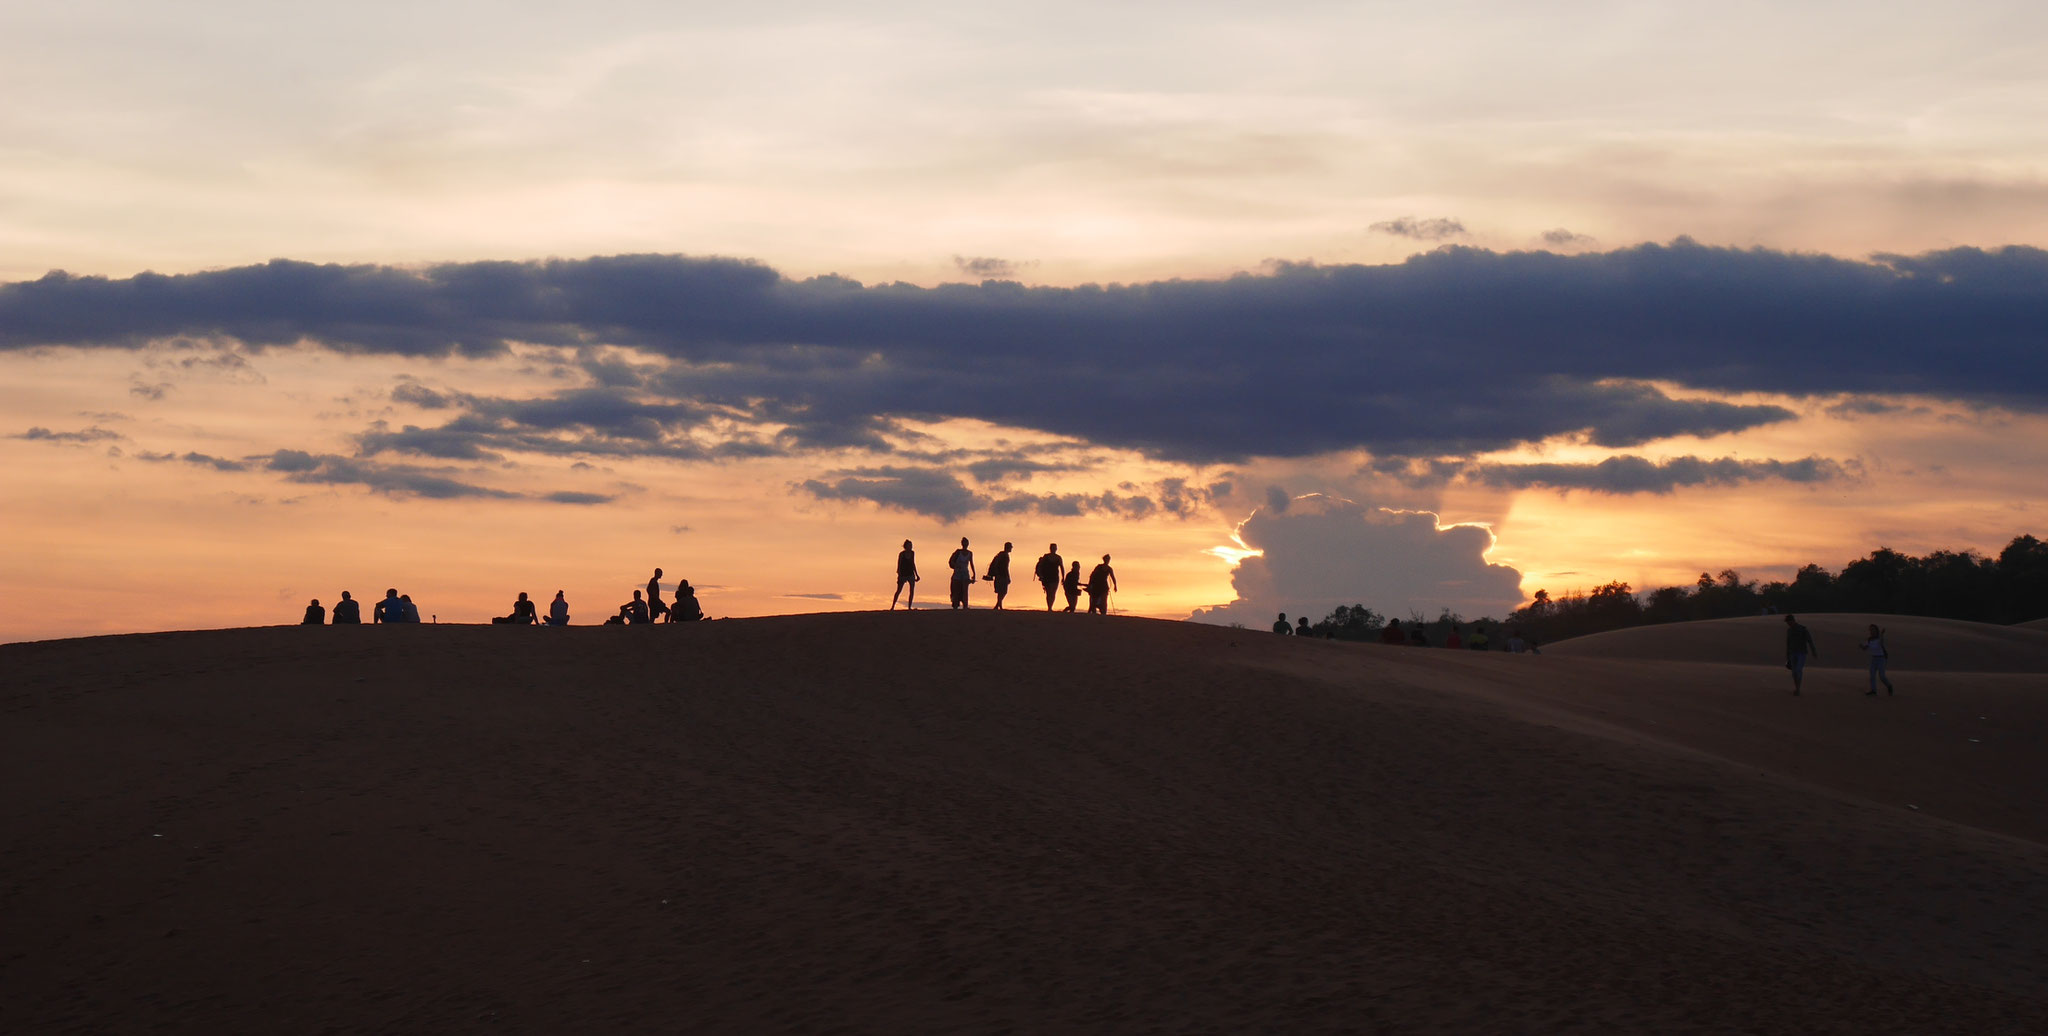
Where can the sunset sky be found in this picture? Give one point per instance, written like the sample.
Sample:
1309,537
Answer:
1412,305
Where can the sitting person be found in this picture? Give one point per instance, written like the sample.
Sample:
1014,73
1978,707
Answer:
634,610
315,615
347,612
558,612
522,614
407,611
619,619
686,608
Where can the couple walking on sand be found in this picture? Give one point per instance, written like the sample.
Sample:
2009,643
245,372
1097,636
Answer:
1799,645
1101,582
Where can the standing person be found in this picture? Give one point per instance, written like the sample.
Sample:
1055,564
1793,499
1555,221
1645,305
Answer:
1874,647
1478,641
347,612
1281,627
906,575
1048,572
1798,644
1072,585
1391,633
998,573
655,609
1101,580
315,615
386,610
558,612
962,564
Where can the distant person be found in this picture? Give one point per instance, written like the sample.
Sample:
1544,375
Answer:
1417,636
558,612
906,575
386,610
1873,646
522,614
407,611
1451,640
1101,583
634,610
315,615
998,574
686,608
1516,645
962,564
1478,641
347,612
1071,583
655,609
1048,572
1301,628
1392,633
1798,645
1280,625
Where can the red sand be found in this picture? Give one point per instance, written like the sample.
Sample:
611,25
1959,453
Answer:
894,823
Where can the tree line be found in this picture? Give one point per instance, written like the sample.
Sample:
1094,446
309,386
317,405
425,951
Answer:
1948,584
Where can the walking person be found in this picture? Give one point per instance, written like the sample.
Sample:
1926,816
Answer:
1798,645
962,564
998,573
1101,581
1874,647
906,575
1072,585
1048,572
655,609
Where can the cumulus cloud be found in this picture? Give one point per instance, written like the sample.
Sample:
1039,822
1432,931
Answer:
1420,229
1454,352
1324,551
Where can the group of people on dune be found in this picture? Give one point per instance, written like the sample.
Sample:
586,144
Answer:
1799,646
640,611
395,607
1052,572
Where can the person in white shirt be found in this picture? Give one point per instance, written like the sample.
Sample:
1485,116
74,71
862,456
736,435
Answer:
962,564
1874,647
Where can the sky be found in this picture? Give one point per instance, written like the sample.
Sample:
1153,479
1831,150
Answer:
1420,306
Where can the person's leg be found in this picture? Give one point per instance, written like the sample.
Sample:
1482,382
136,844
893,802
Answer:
1878,664
1875,664
1050,589
899,593
1798,663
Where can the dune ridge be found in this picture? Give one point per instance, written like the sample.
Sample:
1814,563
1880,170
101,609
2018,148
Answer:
940,821
1917,643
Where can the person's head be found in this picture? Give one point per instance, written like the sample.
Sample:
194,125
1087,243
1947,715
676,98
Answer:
316,604
657,573
906,544
407,598
1105,559
391,593
963,541
636,595
1053,547
558,595
1008,546
1788,618
522,595
345,596
683,587
1873,626
1077,566
1283,616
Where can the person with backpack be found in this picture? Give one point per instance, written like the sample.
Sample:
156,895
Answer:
1048,572
998,574
1874,647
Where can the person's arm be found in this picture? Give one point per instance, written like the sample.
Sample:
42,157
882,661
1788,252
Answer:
1112,579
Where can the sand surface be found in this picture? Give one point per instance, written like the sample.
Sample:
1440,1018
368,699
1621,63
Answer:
933,822
1915,643
2036,624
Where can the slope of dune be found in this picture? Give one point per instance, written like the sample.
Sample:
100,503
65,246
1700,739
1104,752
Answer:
2036,624
946,822
1915,643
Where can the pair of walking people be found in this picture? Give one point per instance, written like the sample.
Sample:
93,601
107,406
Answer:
1799,646
1100,584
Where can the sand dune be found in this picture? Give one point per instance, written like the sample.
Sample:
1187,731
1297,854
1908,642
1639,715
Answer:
1916,643
975,822
2037,624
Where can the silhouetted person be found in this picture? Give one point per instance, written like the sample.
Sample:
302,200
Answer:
655,609
407,611
1874,647
1798,644
1417,637
634,610
1516,645
387,609
1072,585
1101,581
906,575
1392,633
347,612
1452,640
1478,641
1281,627
1048,572
686,609
522,614
558,612
998,573
1301,628
962,564
315,615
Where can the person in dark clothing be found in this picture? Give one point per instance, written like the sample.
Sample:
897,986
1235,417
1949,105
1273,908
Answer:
998,573
522,614
405,610
1072,585
962,564
1048,572
906,575
1416,636
1301,628
386,610
347,612
1798,645
1392,633
686,608
1873,646
558,612
1101,582
1281,627
634,610
655,609
315,615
